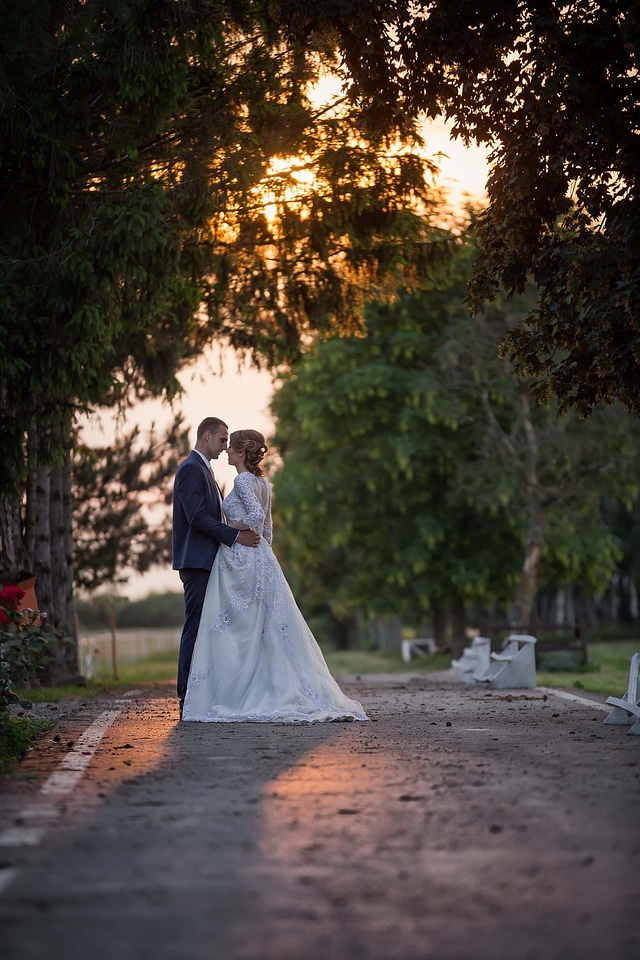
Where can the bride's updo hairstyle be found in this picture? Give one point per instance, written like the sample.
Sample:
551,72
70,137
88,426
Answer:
251,443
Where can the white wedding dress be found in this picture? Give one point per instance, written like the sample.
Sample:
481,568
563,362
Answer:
255,658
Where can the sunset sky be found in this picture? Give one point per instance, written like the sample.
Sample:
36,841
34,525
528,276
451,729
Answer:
221,385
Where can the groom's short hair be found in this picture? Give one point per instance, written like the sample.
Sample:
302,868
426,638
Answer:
210,425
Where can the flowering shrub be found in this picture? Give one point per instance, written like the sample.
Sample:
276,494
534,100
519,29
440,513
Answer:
10,594
26,645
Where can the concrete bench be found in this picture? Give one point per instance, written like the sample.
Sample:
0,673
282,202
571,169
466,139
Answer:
626,709
475,658
514,666
418,647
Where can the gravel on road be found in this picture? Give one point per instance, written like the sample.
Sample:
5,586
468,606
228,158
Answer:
459,824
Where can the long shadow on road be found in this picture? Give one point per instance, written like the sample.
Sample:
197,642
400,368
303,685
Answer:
454,826
149,857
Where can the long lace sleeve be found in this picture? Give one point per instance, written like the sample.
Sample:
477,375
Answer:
268,525
245,486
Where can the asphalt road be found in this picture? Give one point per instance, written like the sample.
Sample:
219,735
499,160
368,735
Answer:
458,824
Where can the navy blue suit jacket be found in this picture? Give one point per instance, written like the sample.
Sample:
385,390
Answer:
197,518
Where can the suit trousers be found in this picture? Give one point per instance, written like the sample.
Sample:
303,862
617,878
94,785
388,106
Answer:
195,583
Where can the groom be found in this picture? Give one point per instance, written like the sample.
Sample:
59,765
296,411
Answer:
198,529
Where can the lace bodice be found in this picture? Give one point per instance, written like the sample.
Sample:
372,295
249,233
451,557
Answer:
250,502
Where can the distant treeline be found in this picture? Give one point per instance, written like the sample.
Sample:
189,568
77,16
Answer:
156,610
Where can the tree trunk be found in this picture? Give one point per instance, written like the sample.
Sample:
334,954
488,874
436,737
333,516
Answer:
571,613
634,606
561,602
614,597
535,534
458,626
356,631
389,634
31,497
529,576
440,624
42,543
365,631
61,529
57,545
11,552
66,666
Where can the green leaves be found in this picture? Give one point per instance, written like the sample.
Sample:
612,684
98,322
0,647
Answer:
144,212
554,90
27,646
414,457
370,448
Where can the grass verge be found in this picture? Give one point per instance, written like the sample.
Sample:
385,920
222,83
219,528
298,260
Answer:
341,662
159,668
607,673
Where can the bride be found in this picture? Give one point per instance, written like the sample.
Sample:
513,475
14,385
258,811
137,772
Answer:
255,658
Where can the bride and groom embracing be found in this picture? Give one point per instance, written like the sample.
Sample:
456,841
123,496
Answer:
246,652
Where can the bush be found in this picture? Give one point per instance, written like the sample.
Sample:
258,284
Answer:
17,734
26,646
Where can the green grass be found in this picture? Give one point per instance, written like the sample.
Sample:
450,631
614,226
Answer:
372,661
607,673
158,668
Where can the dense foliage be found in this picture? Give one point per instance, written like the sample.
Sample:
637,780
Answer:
143,214
166,178
418,470
27,647
554,89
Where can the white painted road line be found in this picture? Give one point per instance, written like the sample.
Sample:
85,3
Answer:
64,779
595,704
61,782
7,875
21,836
39,813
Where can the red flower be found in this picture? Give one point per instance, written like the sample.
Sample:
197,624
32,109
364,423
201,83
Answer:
3,616
11,593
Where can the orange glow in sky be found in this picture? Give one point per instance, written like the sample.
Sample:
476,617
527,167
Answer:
221,385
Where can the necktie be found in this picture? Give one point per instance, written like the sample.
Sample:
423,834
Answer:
218,494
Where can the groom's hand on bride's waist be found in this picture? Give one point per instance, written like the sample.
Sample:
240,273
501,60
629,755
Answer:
247,538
